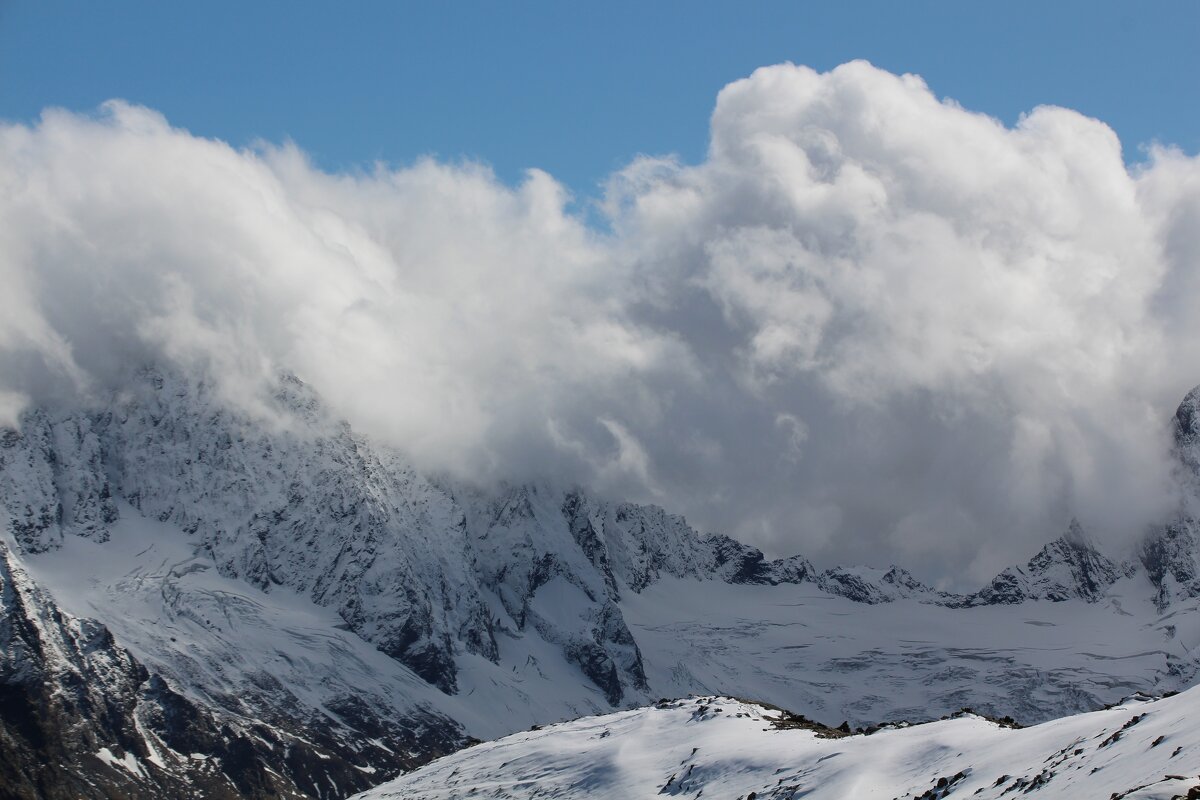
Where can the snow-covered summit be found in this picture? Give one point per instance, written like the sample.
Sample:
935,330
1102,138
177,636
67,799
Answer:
1068,567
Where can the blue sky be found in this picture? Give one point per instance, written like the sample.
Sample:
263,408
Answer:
575,90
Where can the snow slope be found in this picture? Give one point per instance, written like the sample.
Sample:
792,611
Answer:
82,717
215,636
271,655
724,748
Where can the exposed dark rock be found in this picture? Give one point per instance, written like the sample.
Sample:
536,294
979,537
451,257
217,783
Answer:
575,511
739,563
598,666
1187,431
1169,556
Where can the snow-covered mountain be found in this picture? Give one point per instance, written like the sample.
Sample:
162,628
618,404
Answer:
275,568
723,747
81,716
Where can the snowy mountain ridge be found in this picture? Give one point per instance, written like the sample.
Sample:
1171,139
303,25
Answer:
724,747
288,570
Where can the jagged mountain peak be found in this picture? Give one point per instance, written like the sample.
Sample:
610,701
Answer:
1068,567
1074,546
736,562
874,585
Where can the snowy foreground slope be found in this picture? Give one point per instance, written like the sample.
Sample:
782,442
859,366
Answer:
724,748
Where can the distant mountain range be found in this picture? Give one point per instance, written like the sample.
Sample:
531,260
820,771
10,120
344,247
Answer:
197,599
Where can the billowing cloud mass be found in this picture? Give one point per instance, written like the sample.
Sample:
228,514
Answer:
870,326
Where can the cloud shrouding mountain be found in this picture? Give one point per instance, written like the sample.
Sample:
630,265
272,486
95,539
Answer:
871,325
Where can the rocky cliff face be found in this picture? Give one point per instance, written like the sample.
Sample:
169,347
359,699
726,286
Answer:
734,562
1170,557
1187,433
53,482
296,499
1170,553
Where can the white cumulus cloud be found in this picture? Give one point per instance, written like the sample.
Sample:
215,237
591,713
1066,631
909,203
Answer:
870,325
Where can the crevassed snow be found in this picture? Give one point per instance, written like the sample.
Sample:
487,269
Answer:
723,748
834,659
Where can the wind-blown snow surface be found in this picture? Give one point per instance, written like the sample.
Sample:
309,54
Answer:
724,748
